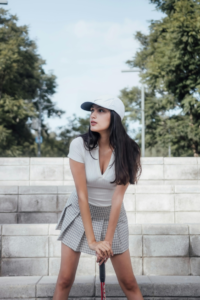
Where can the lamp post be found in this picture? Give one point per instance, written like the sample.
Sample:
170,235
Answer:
37,122
40,121
142,109
169,146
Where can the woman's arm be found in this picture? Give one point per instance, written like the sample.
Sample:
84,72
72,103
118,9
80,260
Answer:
117,200
78,172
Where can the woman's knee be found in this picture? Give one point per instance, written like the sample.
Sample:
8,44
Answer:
65,281
130,285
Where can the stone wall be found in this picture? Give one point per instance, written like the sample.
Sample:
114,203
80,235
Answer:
56,171
168,249
144,204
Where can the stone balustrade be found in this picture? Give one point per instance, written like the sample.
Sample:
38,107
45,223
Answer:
156,249
56,171
144,204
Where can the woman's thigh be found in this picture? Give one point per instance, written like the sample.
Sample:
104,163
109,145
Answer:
69,262
123,268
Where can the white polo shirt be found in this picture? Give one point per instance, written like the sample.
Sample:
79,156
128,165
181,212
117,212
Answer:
100,190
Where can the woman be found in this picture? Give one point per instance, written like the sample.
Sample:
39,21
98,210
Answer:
103,162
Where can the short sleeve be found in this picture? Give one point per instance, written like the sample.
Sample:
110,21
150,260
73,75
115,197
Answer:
76,150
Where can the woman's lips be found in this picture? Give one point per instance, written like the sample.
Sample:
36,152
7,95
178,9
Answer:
93,123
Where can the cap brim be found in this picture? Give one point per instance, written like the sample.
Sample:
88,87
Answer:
86,105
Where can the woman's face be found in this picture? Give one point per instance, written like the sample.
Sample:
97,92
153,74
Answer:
101,117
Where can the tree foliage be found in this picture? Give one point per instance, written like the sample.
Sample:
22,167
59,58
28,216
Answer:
21,77
57,144
132,101
170,64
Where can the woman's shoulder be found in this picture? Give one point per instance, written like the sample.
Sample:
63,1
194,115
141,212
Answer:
78,142
76,149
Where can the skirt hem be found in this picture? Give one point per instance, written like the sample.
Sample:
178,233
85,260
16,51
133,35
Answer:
85,251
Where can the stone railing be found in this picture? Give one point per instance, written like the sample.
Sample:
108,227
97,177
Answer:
56,171
170,249
143,204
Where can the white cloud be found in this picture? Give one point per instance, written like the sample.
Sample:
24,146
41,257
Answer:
100,35
82,29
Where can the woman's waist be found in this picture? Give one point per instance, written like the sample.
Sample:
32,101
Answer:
99,209
97,195
100,193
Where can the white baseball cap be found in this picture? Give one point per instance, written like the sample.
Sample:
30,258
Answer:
107,101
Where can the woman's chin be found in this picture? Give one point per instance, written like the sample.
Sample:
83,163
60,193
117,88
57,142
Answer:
93,129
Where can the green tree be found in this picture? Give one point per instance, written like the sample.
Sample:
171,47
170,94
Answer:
57,144
132,102
21,78
170,65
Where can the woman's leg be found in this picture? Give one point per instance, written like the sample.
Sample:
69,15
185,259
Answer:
68,266
124,272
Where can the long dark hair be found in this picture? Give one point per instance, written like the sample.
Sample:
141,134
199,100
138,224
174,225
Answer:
127,152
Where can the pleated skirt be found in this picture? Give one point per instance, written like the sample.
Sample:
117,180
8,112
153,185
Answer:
72,232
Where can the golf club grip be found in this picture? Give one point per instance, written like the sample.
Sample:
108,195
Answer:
102,272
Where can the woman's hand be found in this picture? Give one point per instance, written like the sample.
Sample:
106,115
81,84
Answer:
100,260
103,250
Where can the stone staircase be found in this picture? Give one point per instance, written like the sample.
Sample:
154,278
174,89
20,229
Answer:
87,287
155,249
164,230
144,204
56,171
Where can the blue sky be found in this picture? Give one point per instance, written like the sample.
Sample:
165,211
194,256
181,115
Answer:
86,44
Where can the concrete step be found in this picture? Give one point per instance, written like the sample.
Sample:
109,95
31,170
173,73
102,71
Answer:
155,249
155,287
56,171
144,204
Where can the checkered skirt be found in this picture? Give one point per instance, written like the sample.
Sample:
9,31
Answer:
72,232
